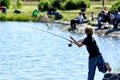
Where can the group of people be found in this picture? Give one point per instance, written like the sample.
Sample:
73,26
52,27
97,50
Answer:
103,17
107,16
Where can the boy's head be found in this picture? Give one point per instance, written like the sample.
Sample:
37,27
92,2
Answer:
89,30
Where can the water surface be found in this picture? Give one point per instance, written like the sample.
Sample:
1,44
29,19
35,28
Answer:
30,54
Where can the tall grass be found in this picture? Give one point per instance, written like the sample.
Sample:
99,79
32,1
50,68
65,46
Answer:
26,16
17,17
3,17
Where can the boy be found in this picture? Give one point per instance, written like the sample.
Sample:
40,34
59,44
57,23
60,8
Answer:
95,57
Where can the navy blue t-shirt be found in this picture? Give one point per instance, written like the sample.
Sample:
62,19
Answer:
91,46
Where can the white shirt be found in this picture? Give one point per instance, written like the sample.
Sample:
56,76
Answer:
80,17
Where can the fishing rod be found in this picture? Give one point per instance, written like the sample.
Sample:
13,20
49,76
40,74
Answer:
70,44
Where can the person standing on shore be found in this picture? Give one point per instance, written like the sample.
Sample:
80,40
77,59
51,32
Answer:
95,57
83,6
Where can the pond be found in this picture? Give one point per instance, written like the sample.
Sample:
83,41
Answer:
30,54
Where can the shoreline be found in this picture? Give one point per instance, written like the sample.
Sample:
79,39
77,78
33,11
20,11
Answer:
80,29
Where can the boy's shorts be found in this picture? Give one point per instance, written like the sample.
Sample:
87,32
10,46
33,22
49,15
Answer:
96,62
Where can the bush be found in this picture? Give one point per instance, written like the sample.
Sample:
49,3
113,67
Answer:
56,4
70,5
19,4
16,17
74,4
5,3
43,5
94,0
3,17
88,3
116,6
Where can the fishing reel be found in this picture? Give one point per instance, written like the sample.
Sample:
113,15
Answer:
70,44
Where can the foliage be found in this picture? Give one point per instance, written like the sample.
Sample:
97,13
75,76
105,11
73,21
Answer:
19,4
88,3
43,5
61,4
74,4
3,17
115,6
17,17
95,0
67,14
5,3
70,5
56,4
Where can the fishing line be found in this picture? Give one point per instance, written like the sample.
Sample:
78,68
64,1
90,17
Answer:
70,44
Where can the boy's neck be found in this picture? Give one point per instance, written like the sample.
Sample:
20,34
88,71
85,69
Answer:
89,35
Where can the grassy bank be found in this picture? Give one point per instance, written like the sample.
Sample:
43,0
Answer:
27,15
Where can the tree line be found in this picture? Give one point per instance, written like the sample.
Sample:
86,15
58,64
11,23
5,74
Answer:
43,5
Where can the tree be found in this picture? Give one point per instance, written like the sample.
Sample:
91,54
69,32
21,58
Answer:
115,6
19,3
5,3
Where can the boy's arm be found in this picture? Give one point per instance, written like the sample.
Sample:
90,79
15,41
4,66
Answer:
78,43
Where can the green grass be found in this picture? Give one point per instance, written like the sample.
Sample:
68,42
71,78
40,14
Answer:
67,14
26,16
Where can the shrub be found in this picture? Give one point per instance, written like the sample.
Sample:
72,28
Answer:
74,4
19,4
16,17
88,3
70,5
5,3
115,6
56,4
43,5
3,17
94,0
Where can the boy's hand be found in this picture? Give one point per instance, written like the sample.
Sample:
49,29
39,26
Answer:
73,39
78,43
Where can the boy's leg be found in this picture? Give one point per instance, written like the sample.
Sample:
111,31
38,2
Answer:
102,66
92,68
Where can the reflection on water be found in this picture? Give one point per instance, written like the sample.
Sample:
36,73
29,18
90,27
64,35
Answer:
29,54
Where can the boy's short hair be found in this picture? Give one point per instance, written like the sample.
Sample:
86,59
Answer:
89,30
